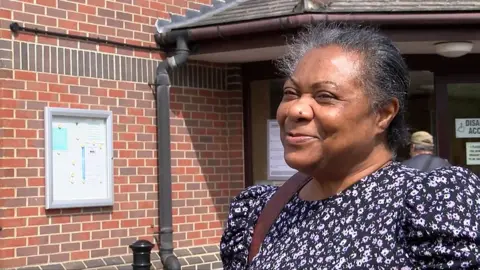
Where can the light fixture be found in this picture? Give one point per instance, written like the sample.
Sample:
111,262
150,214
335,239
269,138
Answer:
453,49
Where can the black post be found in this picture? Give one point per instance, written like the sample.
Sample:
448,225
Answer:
141,254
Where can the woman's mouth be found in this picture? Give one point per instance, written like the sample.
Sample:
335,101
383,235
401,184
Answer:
297,139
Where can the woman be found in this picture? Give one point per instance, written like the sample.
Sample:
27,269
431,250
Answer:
341,119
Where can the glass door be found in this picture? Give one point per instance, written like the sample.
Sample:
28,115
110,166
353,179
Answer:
464,124
457,97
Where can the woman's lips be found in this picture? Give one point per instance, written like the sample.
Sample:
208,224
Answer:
298,139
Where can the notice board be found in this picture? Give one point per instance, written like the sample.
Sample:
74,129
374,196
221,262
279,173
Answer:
78,158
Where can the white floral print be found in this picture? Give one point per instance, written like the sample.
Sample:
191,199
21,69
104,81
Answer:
395,218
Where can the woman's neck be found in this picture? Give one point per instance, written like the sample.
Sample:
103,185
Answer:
331,181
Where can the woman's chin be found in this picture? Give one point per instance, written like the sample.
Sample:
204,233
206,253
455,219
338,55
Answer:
301,162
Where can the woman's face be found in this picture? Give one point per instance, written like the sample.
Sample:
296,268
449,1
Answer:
325,116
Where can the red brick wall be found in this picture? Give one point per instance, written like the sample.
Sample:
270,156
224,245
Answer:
130,21
207,153
207,147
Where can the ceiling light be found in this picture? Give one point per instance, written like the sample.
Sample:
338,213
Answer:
453,49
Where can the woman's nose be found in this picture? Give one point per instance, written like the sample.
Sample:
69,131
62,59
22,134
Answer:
300,111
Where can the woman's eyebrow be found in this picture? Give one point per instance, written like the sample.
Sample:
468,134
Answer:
322,83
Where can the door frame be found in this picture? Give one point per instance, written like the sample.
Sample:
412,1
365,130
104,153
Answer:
443,128
254,71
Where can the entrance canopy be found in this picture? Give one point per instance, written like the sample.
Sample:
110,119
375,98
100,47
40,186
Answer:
256,30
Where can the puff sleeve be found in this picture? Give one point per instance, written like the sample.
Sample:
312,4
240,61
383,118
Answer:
237,236
442,220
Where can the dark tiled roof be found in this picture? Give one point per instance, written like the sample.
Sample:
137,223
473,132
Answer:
243,10
250,10
343,6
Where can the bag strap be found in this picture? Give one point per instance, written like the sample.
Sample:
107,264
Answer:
273,208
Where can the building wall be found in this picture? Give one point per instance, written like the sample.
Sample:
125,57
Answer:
206,131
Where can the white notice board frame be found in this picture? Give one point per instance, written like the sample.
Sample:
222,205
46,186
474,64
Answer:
273,129
81,193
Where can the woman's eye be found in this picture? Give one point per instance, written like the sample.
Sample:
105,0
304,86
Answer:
324,96
287,93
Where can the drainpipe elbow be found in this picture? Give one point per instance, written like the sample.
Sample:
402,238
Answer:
181,54
171,37
170,262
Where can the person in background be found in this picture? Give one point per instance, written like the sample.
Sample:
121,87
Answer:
421,153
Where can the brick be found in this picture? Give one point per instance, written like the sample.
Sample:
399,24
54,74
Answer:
79,255
27,172
51,3
100,234
58,88
50,249
66,5
74,265
94,263
69,227
61,238
73,25
50,229
30,211
76,16
209,258
55,258
86,9
26,251
70,247
8,74
194,260
90,244
32,260
113,261
36,9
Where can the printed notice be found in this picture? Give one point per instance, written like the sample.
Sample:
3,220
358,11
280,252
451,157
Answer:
277,167
473,153
467,127
96,132
94,164
59,139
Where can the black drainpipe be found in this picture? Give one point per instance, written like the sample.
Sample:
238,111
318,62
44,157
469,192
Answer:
162,96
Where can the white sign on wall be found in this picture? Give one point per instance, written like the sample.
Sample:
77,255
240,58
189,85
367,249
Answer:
473,153
78,158
277,167
467,127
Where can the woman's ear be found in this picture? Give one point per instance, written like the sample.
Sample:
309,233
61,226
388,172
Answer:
386,114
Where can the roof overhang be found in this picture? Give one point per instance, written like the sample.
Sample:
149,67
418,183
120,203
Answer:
271,45
264,38
285,23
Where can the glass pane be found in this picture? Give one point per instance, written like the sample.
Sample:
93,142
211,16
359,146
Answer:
464,110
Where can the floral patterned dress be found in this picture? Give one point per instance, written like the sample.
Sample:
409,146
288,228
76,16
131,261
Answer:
395,218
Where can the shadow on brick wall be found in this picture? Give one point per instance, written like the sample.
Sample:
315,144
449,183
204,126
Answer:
207,161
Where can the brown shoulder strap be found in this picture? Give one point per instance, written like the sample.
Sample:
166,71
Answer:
273,208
